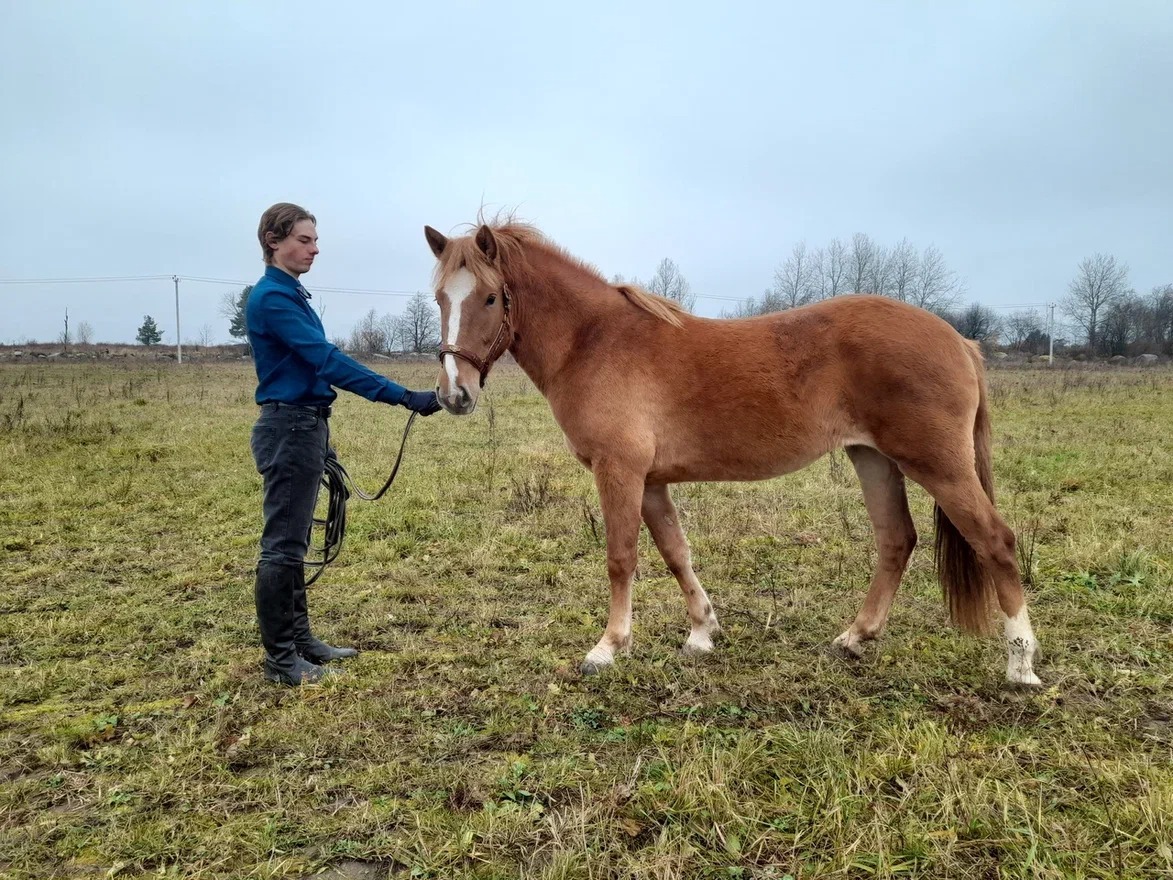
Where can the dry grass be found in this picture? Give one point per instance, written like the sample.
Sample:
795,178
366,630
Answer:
139,738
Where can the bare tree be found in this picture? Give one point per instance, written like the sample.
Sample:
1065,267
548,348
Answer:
669,282
394,329
832,263
419,325
207,335
1099,282
85,333
1122,325
1022,327
880,273
903,266
796,280
977,322
369,335
747,308
1159,321
859,262
936,286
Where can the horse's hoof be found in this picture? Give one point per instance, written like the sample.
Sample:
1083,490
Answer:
692,649
1027,682
846,649
590,667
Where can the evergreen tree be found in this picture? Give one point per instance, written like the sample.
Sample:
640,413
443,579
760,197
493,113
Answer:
149,333
235,312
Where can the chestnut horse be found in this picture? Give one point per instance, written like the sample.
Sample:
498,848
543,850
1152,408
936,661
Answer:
649,395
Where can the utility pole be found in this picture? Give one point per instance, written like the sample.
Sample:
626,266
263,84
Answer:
1051,336
65,338
178,344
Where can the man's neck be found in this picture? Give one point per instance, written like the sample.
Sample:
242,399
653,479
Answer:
287,270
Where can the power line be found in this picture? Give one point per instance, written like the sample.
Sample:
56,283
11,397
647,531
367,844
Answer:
200,279
118,278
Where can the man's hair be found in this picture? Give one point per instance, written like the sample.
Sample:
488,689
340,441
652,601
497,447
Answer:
280,220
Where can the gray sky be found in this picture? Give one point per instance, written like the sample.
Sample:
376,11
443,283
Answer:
143,138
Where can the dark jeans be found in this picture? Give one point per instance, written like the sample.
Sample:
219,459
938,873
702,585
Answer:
289,445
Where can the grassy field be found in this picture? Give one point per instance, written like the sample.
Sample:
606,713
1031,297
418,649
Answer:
138,737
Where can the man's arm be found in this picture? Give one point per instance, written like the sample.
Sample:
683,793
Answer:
285,318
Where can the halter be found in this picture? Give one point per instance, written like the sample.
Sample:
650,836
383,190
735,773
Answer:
502,342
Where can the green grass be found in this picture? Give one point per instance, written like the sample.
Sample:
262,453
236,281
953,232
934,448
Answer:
139,738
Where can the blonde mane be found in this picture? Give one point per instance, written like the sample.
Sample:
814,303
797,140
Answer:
513,239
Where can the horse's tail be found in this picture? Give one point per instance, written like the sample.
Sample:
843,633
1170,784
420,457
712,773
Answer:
969,589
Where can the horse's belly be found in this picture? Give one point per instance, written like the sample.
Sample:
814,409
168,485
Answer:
748,459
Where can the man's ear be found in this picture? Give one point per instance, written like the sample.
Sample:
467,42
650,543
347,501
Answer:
436,241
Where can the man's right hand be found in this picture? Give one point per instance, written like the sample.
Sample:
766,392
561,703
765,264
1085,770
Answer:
423,402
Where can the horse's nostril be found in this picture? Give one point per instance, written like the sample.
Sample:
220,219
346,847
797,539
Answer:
465,397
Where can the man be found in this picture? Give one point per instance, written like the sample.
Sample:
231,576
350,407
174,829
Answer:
296,366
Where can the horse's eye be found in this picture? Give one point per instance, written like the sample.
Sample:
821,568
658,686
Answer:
492,299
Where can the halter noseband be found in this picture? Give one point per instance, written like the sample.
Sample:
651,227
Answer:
503,340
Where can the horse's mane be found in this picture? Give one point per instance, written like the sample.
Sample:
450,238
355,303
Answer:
513,238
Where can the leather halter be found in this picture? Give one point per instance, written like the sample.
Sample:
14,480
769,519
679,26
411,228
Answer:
502,342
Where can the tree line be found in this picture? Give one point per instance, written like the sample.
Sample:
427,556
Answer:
1105,315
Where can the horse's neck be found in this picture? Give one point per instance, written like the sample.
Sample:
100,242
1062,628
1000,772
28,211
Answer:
552,311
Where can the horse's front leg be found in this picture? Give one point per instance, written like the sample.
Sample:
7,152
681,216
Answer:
620,494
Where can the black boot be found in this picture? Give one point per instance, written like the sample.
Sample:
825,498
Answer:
308,645
274,595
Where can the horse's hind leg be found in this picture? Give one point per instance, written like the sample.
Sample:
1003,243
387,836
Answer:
887,506
659,514
969,509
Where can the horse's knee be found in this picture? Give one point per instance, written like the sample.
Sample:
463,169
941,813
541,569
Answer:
620,567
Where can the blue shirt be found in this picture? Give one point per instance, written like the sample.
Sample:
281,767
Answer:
295,362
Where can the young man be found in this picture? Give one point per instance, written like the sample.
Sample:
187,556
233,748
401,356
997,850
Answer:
296,366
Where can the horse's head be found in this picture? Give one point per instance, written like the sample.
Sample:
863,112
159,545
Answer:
475,320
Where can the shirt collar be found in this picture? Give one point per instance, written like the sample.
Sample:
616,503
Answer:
286,280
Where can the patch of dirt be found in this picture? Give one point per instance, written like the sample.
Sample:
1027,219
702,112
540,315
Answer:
1157,723
467,798
352,869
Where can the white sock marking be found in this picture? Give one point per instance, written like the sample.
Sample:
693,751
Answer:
1020,648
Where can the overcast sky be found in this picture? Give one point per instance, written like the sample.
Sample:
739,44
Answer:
143,138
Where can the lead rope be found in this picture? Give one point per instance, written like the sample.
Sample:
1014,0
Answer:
339,486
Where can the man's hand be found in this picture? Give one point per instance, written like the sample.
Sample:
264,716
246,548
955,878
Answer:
423,402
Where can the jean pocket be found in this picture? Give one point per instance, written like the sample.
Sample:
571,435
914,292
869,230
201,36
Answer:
263,442
304,421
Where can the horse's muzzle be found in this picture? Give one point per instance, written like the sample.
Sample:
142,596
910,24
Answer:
458,401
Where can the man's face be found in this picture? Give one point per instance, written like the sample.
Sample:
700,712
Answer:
295,253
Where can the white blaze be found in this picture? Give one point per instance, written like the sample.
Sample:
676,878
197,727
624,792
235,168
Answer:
459,287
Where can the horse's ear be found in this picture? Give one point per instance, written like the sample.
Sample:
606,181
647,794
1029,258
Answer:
436,241
487,242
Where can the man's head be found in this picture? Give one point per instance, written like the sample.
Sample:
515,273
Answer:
289,238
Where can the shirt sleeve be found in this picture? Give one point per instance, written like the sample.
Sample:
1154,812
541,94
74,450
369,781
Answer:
286,319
